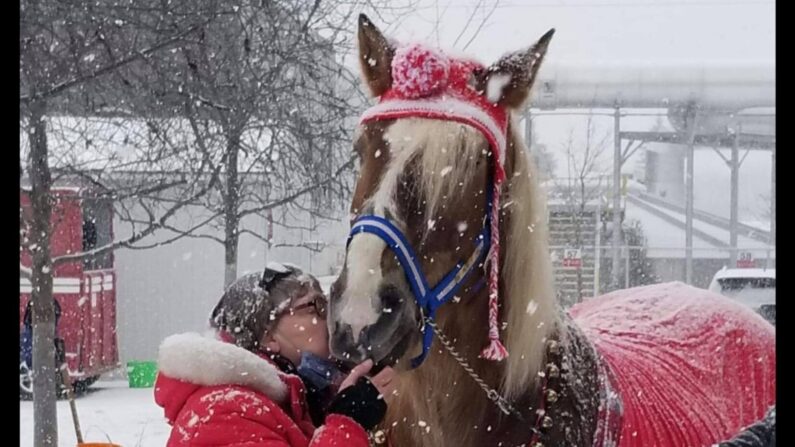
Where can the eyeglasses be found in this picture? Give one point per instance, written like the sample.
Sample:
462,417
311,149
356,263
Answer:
274,274
316,306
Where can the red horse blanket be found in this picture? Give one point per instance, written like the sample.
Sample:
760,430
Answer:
691,367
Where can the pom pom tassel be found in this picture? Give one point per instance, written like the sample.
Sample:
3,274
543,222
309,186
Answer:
494,351
419,72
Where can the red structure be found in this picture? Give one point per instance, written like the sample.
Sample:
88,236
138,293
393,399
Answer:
84,288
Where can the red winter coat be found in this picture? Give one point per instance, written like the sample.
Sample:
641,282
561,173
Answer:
218,394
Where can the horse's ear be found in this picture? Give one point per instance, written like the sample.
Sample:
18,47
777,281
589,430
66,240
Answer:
375,57
508,81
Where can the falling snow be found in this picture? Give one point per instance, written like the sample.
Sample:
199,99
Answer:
532,306
155,298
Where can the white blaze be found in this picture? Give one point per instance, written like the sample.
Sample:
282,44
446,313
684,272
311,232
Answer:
364,275
360,306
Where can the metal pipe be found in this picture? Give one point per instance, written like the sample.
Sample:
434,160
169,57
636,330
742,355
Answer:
598,240
689,195
734,206
616,197
626,269
650,84
773,203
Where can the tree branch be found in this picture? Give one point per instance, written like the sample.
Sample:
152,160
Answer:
106,69
155,225
300,192
482,23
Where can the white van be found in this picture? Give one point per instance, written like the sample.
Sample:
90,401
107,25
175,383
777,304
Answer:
755,288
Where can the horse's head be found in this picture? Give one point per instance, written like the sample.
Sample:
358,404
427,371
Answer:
429,177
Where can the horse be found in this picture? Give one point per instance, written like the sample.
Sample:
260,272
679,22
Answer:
448,256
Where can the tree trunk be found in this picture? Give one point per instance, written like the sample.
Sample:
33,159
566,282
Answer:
231,205
45,421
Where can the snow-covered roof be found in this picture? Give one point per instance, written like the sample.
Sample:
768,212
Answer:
55,188
745,273
128,144
555,203
666,239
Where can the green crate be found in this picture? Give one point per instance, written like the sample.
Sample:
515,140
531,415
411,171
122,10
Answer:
141,374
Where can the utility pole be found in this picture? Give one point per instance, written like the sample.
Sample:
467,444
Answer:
691,137
614,277
735,184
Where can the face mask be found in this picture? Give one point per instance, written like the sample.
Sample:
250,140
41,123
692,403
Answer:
318,371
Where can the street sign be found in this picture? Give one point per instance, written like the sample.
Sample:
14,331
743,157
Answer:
548,96
572,257
745,260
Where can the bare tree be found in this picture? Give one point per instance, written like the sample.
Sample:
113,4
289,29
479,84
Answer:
238,106
485,11
583,185
545,161
265,93
641,271
764,209
66,50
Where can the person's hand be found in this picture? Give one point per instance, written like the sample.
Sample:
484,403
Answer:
362,398
358,371
384,381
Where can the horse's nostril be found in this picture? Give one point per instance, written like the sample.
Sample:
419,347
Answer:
390,298
342,332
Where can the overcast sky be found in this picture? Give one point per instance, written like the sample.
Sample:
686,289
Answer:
608,31
600,29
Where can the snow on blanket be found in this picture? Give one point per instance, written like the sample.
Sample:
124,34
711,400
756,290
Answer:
691,366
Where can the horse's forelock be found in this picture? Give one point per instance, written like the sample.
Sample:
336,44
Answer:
446,155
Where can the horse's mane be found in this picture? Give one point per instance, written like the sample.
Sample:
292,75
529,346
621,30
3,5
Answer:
526,271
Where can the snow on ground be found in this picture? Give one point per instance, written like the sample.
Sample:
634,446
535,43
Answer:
108,411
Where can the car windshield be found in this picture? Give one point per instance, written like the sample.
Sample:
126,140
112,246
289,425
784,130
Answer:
752,292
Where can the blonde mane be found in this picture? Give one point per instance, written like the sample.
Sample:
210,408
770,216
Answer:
526,272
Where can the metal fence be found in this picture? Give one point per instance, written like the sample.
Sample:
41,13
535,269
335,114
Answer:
581,272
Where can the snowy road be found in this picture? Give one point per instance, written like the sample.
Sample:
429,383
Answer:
110,410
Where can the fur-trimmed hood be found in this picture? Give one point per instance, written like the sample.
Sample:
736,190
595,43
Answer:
208,361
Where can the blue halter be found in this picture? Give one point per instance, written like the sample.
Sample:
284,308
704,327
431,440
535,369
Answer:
428,299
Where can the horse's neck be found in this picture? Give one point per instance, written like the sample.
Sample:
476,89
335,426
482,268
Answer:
437,405
573,411
440,405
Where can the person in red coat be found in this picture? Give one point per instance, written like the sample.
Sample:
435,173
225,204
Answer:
264,377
